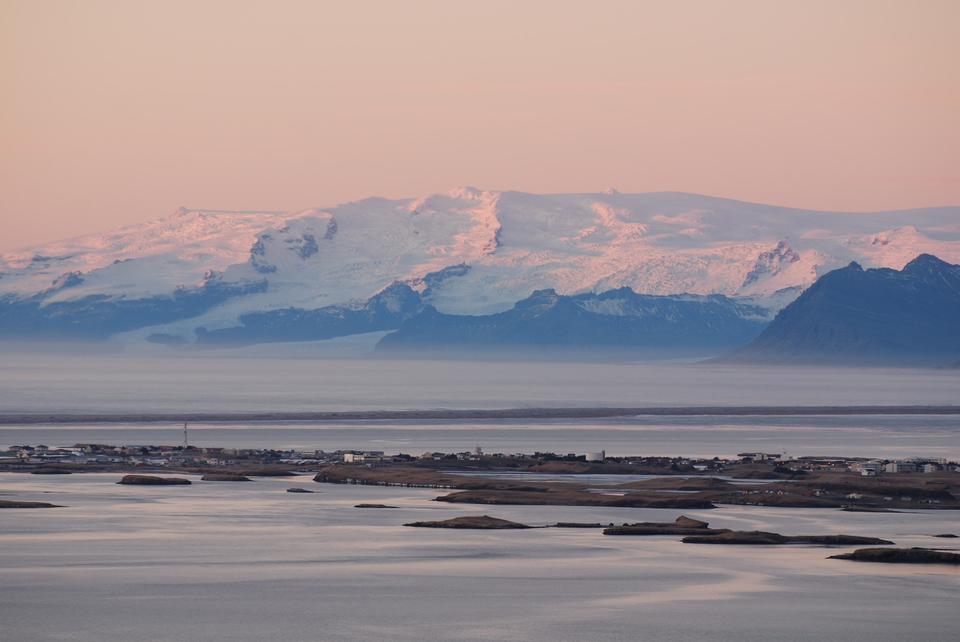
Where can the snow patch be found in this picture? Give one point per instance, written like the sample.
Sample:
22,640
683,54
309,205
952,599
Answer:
504,245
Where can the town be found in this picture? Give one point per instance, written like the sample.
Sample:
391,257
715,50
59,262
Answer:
91,457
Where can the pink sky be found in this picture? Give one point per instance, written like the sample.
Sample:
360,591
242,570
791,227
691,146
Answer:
115,112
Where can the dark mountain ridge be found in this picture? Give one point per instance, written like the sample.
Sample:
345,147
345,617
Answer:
615,319
869,317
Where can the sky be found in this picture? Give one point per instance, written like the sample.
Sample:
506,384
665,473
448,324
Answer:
119,111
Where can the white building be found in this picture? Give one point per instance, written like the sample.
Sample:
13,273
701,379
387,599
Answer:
364,457
901,467
870,468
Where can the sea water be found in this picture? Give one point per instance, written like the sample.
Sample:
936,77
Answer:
237,562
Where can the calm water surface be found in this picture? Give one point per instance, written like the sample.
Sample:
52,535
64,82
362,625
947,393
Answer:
211,383
251,562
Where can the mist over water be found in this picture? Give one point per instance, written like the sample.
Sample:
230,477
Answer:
225,382
217,382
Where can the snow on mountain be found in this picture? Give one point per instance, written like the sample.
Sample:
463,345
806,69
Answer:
471,251
149,259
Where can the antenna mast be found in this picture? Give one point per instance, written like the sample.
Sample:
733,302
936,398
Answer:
185,442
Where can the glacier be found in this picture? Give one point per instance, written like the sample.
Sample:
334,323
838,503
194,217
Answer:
466,252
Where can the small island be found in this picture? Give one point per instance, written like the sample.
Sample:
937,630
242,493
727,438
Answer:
683,525
12,503
763,538
900,556
695,531
481,522
151,480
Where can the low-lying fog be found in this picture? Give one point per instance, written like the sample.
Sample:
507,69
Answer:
226,381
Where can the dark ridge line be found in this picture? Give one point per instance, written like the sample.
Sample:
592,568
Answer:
507,413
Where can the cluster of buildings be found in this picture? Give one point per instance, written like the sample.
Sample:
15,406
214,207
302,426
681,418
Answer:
102,454
378,457
867,468
186,455
511,460
912,465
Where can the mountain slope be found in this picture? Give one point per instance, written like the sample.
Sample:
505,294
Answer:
384,311
876,316
465,252
616,319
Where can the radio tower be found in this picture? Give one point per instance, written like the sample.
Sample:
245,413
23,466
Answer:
185,443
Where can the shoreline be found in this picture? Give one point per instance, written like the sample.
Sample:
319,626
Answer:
47,418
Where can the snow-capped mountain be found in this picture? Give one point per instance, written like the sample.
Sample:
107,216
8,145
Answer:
464,252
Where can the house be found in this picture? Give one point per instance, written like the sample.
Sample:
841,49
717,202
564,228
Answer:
365,457
901,467
869,468
755,457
